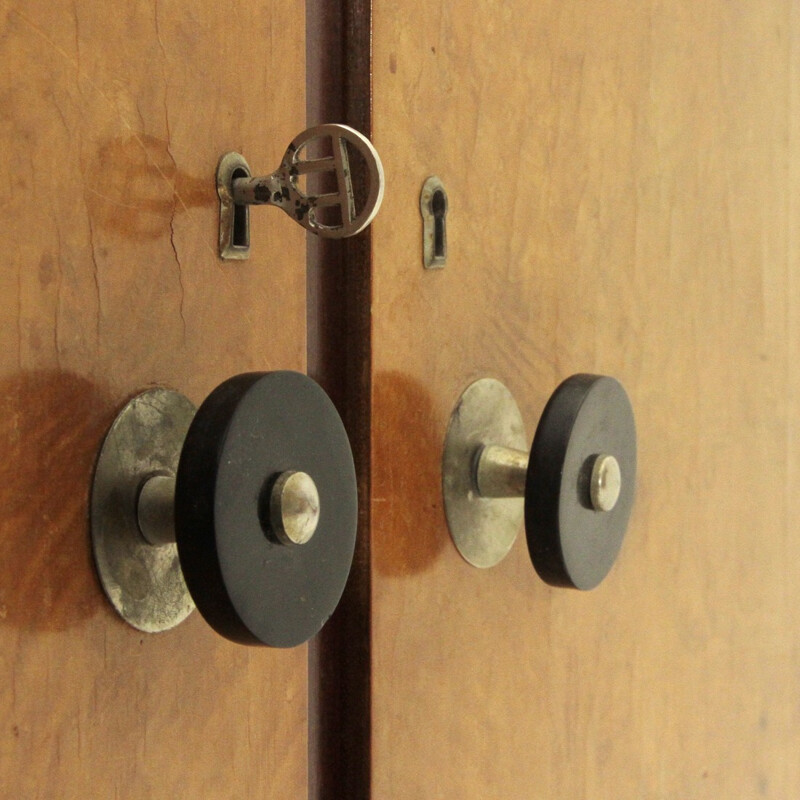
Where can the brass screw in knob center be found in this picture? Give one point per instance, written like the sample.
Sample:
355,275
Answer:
294,508
606,483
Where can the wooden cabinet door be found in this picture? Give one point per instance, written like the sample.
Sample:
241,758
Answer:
623,199
112,119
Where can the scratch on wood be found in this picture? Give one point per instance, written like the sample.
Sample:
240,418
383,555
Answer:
77,45
180,273
95,267
60,112
130,206
158,31
175,195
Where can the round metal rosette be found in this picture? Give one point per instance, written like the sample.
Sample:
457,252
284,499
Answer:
483,528
143,582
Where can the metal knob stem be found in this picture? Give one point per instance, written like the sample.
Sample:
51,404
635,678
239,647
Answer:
503,471
155,510
500,471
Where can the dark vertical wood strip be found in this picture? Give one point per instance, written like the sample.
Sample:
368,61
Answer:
357,719
339,357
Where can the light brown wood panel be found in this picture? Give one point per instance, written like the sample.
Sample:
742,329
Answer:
623,187
112,119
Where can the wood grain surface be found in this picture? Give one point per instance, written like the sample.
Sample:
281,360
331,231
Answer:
112,119
623,181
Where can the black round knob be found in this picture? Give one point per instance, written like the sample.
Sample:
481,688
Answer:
581,481
249,582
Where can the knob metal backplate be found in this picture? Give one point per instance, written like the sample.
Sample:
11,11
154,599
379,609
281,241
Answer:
483,529
143,582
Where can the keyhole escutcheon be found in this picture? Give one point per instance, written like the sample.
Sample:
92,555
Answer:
433,207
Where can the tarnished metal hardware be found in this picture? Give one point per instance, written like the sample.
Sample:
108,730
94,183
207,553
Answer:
234,218
483,530
294,507
217,508
500,471
155,509
433,207
313,185
576,495
605,483
139,567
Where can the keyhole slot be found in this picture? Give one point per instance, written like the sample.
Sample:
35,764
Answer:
234,218
240,236
433,206
439,209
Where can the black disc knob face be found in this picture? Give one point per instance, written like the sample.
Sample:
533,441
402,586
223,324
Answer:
250,584
581,481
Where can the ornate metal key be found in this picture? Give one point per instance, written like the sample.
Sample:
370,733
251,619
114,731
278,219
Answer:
332,212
